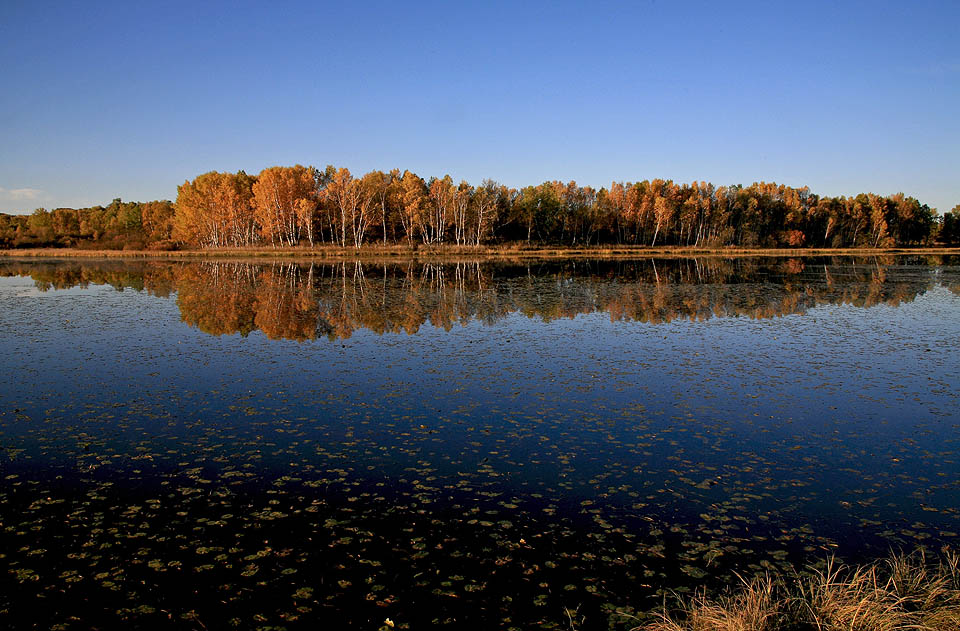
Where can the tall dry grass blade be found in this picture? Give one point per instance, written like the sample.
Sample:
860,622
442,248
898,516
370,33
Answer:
905,593
754,607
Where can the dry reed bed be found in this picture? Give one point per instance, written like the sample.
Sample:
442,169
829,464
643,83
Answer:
908,592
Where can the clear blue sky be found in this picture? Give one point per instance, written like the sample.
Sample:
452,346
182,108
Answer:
129,99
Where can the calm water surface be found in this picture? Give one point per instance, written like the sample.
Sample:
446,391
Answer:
276,445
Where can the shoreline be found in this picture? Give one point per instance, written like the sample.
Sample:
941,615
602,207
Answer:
374,253
918,590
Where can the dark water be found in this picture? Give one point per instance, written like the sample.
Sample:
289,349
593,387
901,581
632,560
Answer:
217,445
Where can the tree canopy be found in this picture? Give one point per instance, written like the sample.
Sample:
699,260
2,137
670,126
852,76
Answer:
298,205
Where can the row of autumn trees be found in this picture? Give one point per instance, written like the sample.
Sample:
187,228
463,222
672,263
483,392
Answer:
118,225
295,206
287,206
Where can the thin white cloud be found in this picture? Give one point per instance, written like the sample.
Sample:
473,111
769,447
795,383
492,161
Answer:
20,194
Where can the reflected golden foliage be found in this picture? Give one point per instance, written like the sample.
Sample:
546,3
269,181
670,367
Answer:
300,302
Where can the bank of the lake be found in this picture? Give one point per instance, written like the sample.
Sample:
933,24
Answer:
451,252
919,591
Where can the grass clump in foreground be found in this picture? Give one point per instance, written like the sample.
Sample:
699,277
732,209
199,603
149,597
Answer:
905,592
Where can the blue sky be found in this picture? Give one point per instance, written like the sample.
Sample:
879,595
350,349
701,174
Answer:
129,99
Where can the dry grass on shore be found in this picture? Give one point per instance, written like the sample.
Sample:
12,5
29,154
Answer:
511,251
903,593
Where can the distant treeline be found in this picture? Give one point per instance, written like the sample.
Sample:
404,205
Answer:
309,301
305,206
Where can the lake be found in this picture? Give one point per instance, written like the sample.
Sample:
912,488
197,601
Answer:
410,444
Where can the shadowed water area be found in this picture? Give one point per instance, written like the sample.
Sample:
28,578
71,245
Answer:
278,445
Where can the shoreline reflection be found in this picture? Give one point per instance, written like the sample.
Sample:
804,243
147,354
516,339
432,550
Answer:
306,301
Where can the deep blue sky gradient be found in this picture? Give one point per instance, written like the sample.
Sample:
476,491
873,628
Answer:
129,99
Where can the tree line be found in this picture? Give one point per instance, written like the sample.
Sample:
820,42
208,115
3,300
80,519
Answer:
119,225
305,206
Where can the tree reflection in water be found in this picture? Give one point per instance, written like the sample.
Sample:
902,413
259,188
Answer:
303,301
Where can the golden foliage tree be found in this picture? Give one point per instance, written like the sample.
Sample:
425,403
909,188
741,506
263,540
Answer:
277,195
342,194
215,210
413,193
